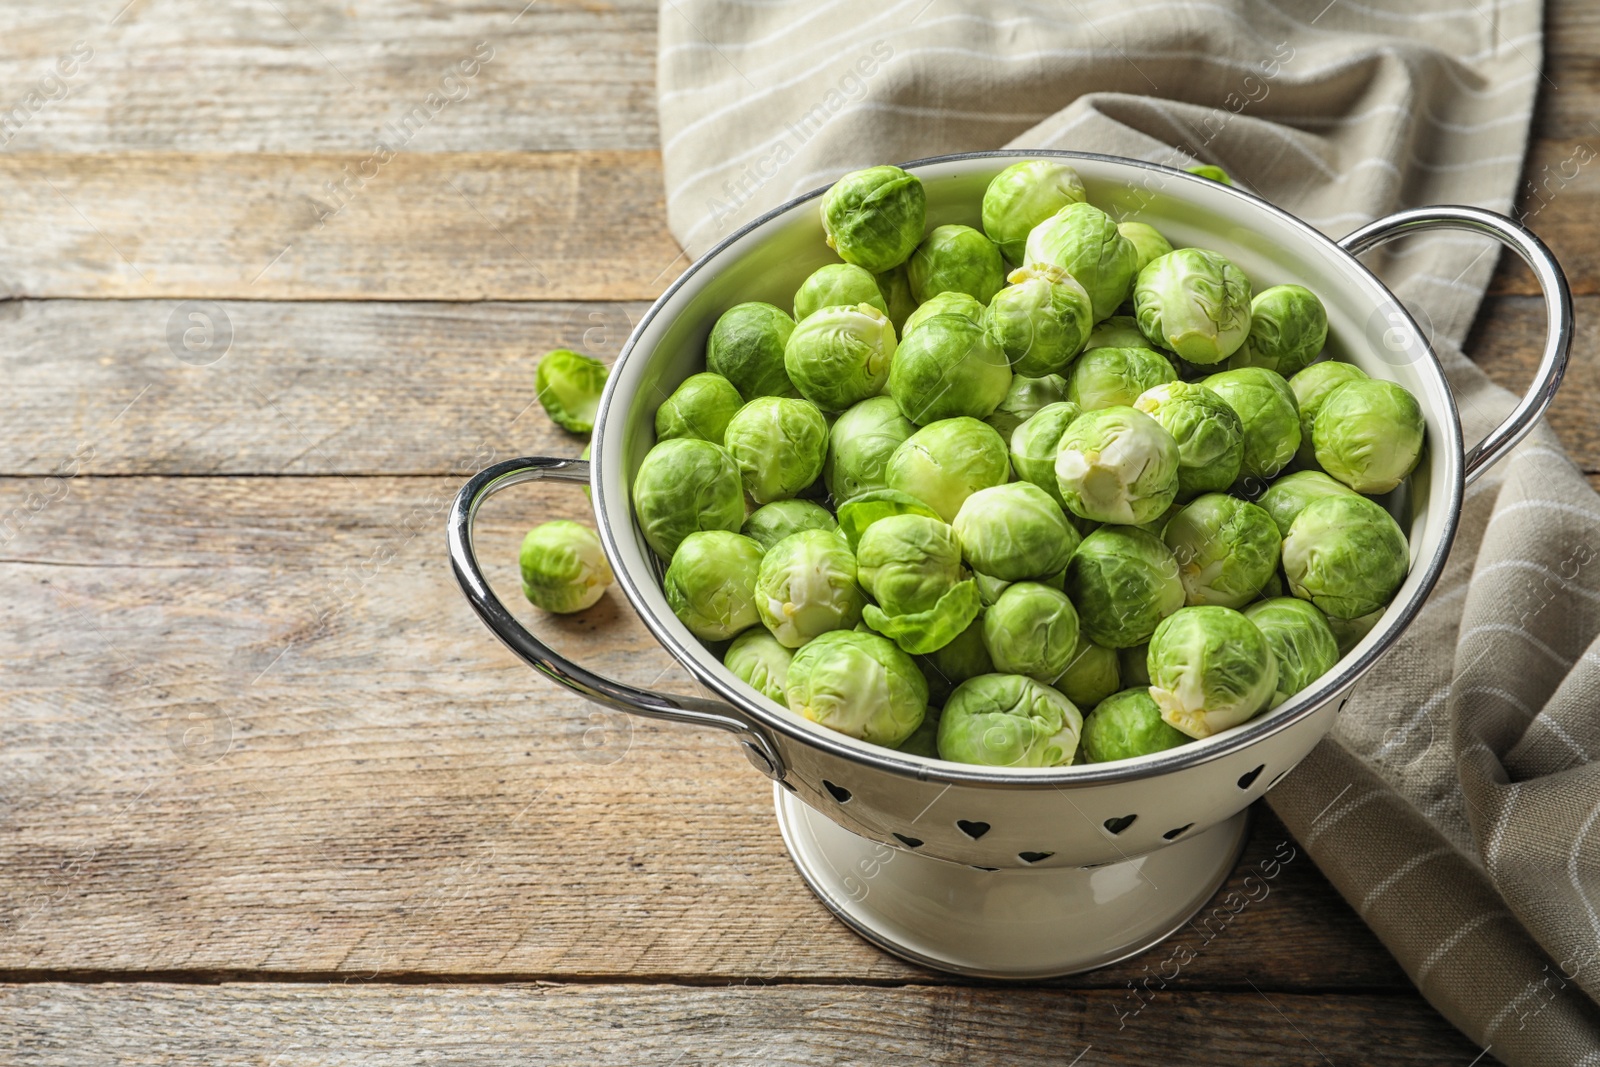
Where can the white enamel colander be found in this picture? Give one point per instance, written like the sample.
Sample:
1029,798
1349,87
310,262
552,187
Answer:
1019,872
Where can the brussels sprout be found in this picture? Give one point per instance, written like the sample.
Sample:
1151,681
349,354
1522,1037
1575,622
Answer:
874,217
1091,674
1368,434
1210,171
1033,630
1266,408
947,461
838,284
948,368
840,355
895,286
1209,434
711,583
1123,581
956,259
1119,331
1024,195
1116,377
1288,326
746,347
779,445
1134,662
1024,399
771,523
1194,302
1210,669
858,684
912,565
1274,587
1014,531
989,589
807,586
964,657
1147,242
759,661
861,511
944,304
1300,639
1226,550
1035,443
1041,320
924,740
700,407
1310,388
1349,632
1288,496
1125,725
859,446
685,485
569,387
1117,465
1345,555
1083,241
1008,720
563,567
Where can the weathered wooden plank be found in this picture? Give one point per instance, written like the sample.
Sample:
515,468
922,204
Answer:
376,1026
307,76
249,725
1559,199
1507,341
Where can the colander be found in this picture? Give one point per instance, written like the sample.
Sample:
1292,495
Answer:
1019,872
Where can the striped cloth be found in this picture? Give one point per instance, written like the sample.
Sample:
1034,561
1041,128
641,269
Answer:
1455,804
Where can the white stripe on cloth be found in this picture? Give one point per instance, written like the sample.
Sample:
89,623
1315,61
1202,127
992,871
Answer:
1321,826
1422,712
1454,939
1572,870
1399,872
1508,628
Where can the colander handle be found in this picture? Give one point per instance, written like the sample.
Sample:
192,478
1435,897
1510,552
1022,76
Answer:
694,711
1557,304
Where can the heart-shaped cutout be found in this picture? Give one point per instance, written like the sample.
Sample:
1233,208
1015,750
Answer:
973,830
909,842
1034,857
840,793
1120,823
1171,834
1248,779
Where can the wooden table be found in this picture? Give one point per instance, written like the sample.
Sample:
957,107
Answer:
268,793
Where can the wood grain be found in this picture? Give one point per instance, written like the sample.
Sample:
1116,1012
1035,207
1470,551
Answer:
377,1026
250,725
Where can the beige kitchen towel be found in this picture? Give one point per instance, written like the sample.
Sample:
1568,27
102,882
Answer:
1455,805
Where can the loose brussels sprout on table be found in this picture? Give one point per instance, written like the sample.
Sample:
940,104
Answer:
947,368
779,445
1125,725
956,259
1117,465
1024,195
1041,320
701,407
874,217
1208,432
1195,303
563,567
836,284
947,461
1084,241
859,684
746,347
840,355
569,387
711,582
860,444
771,523
1008,720
807,586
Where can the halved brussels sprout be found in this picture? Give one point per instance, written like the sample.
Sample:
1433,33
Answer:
1226,549
1041,320
1211,172
944,304
685,485
807,586
1288,496
711,582
569,387
746,347
1091,675
896,289
1024,195
779,445
860,444
1346,555
563,567
948,368
956,259
1300,639
1288,327
1014,532
1116,377
1209,434
700,407
1083,241
1210,670
1125,725
1119,331
1266,408
912,565
947,461
1032,629
1117,465
771,523
1123,581
1311,387
1194,302
759,661
840,355
874,217
860,512
1368,434
859,684
1008,720
1035,443
835,285
1147,242
1024,400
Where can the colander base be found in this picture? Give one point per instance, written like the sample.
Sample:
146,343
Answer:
1009,924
